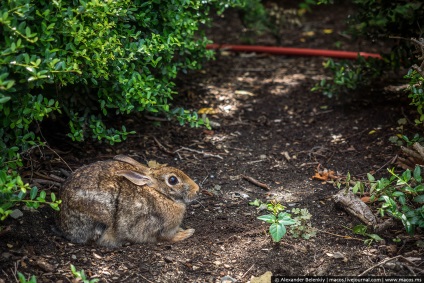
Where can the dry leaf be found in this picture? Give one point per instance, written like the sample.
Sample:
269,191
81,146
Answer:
327,31
324,175
154,164
366,199
209,111
308,33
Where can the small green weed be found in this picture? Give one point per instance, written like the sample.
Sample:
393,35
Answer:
362,230
278,218
80,275
22,279
303,227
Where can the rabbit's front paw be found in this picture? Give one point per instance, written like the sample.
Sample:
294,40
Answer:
182,235
108,239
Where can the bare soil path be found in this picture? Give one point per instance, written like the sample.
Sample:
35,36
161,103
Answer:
272,129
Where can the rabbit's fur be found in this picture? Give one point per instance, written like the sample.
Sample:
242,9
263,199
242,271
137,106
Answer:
121,200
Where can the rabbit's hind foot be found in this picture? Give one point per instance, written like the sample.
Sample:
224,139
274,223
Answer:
182,235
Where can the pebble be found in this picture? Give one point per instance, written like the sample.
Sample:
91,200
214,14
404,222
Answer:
227,279
16,213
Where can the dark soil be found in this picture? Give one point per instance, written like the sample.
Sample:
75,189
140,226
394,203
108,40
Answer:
266,113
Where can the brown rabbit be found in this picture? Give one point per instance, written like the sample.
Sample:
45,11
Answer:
121,200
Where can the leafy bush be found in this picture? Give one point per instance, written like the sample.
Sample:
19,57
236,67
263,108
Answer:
348,76
392,22
85,61
401,196
416,81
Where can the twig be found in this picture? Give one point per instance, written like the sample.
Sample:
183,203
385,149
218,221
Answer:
153,118
64,172
46,182
391,161
244,274
57,178
163,147
341,236
385,261
205,154
145,278
200,152
419,149
256,182
57,154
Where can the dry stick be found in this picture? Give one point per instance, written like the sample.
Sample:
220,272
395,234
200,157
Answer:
383,262
244,274
391,161
185,148
57,154
419,149
162,147
200,152
341,236
410,152
46,182
256,182
145,278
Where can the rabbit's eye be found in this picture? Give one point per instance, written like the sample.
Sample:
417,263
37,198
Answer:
173,180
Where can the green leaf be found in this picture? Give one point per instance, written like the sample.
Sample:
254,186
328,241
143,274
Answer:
417,174
370,177
419,199
4,99
256,202
360,229
285,219
277,231
375,237
269,218
33,193
355,188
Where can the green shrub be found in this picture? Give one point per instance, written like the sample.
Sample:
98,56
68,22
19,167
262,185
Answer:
416,81
349,76
401,196
86,61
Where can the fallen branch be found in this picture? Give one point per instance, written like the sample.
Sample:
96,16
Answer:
355,206
413,156
384,262
256,182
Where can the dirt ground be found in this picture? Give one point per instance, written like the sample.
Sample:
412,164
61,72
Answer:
271,128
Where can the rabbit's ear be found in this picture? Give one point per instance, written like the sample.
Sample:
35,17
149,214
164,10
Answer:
129,160
136,178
